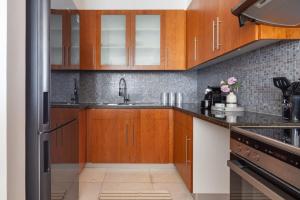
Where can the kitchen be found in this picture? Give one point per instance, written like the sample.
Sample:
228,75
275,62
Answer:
158,100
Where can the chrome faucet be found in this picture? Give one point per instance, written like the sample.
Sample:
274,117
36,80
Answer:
123,90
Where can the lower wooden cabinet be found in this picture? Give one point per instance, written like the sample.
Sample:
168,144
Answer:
82,138
183,147
155,136
129,136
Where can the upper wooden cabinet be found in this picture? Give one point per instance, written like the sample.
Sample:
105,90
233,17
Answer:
132,40
64,40
213,32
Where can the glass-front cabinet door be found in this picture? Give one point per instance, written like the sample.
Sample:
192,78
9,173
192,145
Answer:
114,38
148,40
57,46
64,40
74,41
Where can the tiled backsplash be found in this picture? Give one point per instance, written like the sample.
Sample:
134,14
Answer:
142,86
255,71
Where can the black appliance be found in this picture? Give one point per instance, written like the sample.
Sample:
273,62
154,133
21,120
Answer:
264,163
52,167
291,98
212,95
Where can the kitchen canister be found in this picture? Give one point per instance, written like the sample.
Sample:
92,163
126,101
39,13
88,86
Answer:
179,98
172,99
164,98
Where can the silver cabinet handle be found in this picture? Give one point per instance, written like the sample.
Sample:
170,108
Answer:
94,57
187,139
126,134
133,135
213,35
218,33
195,48
167,56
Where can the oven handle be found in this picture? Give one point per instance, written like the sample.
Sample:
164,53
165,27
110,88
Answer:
238,169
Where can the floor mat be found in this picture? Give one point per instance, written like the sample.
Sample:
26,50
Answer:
132,195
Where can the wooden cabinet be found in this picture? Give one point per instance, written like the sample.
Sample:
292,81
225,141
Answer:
132,40
64,40
111,136
214,34
129,136
175,40
183,147
155,141
89,45
82,138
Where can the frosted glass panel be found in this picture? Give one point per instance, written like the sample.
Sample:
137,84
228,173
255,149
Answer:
113,40
75,39
56,40
147,40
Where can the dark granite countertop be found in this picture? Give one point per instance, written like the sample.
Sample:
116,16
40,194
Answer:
226,120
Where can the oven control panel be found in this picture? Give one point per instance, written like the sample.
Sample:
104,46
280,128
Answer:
260,147
266,158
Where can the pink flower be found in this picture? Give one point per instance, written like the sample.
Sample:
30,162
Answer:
231,80
225,88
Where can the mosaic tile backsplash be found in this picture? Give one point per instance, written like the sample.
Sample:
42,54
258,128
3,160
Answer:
146,87
255,71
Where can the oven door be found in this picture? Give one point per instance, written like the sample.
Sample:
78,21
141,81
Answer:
249,182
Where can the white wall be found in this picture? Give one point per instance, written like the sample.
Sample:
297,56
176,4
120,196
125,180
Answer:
16,99
120,4
3,66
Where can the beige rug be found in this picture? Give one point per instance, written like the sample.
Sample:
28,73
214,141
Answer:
58,195
132,195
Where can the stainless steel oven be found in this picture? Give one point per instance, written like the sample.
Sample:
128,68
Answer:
262,167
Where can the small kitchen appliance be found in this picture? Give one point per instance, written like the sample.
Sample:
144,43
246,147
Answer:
212,96
291,98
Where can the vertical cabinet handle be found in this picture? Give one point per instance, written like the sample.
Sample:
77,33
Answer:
126,134
167,57
218,34
133,135
213,35
195,48
94,57
187,140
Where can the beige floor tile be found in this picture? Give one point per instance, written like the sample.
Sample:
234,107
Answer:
114,186
89,191
127,175
165,176
92,175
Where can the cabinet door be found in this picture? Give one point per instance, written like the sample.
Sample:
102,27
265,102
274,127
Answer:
82,138
57,39
192,34
183,147
89,47
154,136
114,34
228,27
148,40
73,49
211,20
175,49
110,136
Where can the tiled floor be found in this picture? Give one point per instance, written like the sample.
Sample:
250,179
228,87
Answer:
93,180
